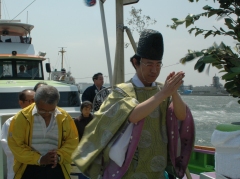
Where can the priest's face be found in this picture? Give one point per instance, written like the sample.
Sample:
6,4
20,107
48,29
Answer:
148,70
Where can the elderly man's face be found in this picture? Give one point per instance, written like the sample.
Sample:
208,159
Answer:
45,110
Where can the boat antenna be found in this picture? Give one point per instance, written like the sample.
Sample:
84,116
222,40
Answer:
23,10
4,7
62,51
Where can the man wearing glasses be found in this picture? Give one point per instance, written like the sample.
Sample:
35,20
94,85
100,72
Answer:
25,98
42,138
141,100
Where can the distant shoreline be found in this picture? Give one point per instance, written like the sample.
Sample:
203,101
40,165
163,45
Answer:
205,94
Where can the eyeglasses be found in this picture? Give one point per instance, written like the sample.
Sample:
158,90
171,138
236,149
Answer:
29,100
45,112
151,65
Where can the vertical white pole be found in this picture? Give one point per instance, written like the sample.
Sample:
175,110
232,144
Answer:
118,76
134,46
0,9
104,27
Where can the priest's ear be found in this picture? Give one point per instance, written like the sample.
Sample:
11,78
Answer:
135,60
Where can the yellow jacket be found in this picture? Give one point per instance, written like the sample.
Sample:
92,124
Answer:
20,139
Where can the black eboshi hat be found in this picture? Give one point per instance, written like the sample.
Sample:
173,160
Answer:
150,45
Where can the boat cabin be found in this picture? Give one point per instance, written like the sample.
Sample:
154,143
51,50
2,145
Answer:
18,58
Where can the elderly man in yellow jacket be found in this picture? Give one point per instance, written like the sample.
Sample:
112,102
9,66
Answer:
42,138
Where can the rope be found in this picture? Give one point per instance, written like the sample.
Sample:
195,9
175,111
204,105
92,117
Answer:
23,10
134,72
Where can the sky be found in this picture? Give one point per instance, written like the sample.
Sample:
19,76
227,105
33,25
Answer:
78,28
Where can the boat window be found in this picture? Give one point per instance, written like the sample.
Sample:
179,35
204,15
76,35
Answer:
29,69
6,69
21,69
67,99
7,38
10,101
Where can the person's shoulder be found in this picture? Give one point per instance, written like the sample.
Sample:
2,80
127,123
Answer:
62,111
126,84
91,116
77,119
7,122
90,88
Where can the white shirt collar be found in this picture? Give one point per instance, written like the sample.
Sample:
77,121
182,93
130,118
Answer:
34,111
137,82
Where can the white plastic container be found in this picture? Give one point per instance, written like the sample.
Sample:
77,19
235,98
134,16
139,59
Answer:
226,140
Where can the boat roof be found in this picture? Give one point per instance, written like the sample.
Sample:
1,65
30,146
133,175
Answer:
9,86
14,28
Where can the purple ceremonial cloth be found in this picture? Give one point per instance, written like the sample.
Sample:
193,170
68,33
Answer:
186,131
113,170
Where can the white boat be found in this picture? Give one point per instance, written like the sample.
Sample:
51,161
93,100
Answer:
62,75
18,58
21,67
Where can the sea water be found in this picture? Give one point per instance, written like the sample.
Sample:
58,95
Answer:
209,111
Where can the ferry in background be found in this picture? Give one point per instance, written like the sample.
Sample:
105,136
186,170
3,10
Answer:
62,75
216,89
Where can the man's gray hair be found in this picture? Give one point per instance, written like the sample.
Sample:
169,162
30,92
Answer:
47,94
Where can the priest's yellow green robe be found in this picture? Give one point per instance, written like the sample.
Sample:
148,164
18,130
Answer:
150,158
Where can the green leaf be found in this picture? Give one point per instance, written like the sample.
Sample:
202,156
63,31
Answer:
208,69
207,7
209,59
222,46
222,29
234,91
207,34
211,13
235,70
190,30
198,64
174,19
230,33
198,54
188,23
229,76
229,85
228,22
235,62
179,22
189,17
198,32
219,66
201,68
237,11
